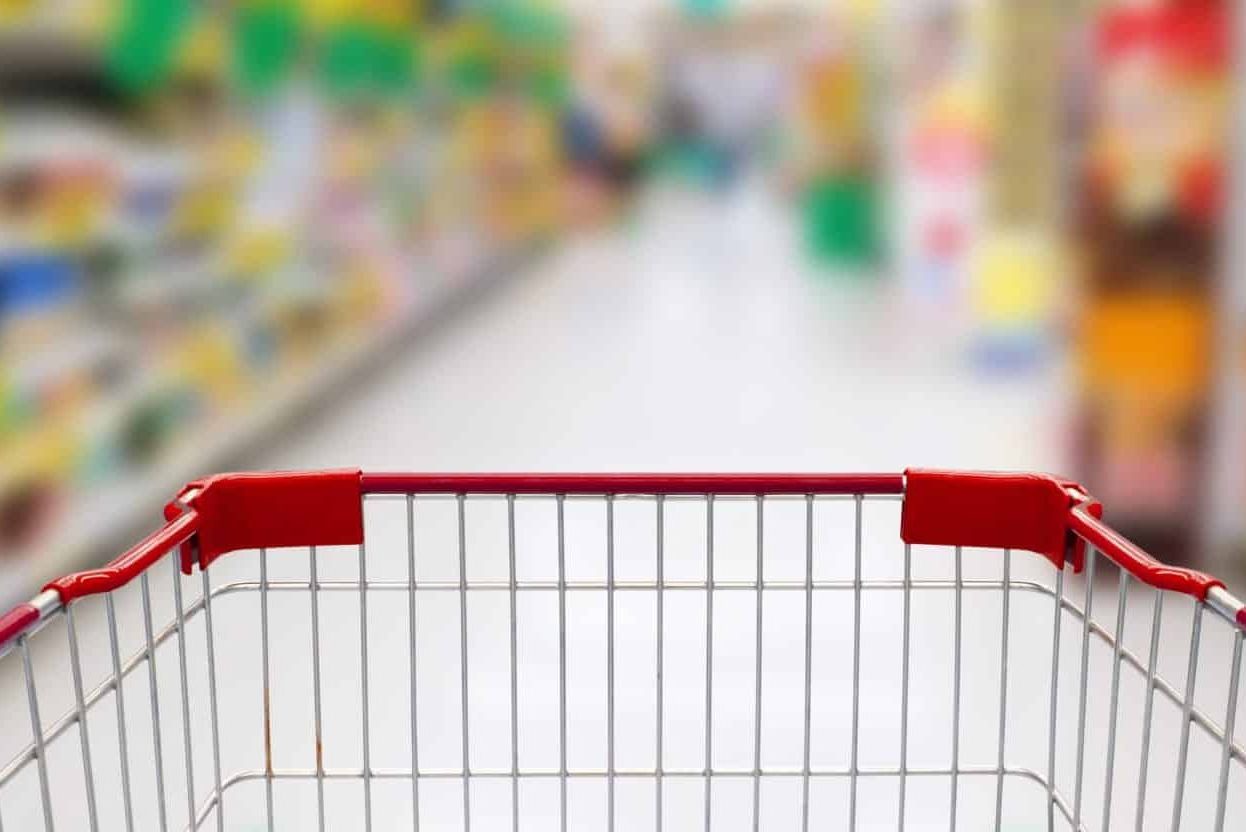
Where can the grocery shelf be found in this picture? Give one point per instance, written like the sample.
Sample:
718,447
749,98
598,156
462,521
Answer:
97,522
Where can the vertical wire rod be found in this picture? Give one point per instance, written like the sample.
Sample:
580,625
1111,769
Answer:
412,665
1003,690
709,658
904,682
1122,595
213,710
1230,719
36,727
1148,708
808,734
761,505
956,661
854,751
363,687
1054,699
661,657
461,500
1080,749
560,502
265,678
122,743
316,706
153,695
1184,750
76,665
610,772
180,622
514,668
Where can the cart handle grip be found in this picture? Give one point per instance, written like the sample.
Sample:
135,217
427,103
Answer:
129,565
1036,512
270,510
995,510
17,621
222,514
1039,513
1139,563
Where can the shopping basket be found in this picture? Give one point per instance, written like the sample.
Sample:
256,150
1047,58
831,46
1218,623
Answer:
630,652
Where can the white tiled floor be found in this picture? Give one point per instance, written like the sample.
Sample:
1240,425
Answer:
695,340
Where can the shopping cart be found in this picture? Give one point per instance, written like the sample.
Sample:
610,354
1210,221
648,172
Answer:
627,652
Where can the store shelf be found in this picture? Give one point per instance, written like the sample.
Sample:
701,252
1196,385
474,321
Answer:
98,523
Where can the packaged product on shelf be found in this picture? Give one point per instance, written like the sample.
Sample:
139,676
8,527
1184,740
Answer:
39,294
1150,229
942,162
1017,277
243,200
842,211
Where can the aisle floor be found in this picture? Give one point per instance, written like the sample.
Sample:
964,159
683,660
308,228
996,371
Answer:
695,338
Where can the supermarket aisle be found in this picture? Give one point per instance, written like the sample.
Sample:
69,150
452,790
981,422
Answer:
692,339
695,338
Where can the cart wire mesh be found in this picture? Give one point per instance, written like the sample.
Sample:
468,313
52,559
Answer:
618,660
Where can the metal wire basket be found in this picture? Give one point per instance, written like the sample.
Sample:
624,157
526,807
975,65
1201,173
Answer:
631,652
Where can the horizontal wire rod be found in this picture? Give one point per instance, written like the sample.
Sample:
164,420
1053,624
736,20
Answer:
631,774
1199,717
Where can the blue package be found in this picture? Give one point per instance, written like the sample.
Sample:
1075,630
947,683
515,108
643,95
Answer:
36,282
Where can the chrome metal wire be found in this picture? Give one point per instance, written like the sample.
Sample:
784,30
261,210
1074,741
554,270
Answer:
1075,791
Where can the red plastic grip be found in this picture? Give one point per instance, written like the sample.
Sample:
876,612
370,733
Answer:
1137,561
1035,512
128,566
1002,511
991,510
270,510
17,621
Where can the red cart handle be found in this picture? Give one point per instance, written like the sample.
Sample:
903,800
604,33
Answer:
1138,562
267,510
130,565
237,511
995,511
1035,512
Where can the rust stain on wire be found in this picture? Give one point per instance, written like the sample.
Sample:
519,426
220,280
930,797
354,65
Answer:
268,733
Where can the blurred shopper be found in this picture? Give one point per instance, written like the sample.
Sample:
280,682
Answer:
607,129
723,99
